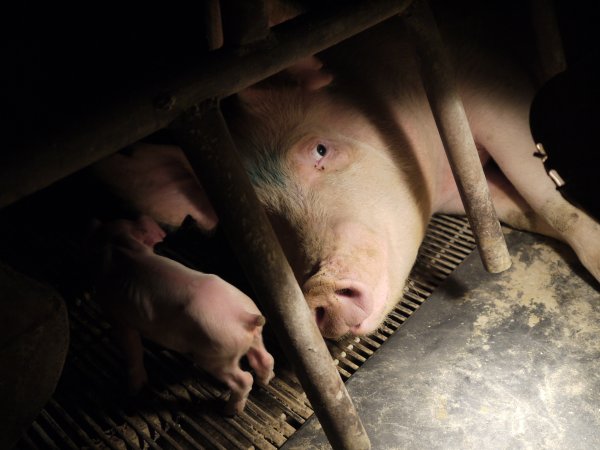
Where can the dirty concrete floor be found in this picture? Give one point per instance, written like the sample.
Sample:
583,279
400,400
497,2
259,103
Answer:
508,361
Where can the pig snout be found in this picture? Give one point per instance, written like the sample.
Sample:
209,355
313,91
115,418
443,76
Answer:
339,305
348,286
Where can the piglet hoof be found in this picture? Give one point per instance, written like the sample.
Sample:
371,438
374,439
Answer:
261,361
265,379
240,383
234,406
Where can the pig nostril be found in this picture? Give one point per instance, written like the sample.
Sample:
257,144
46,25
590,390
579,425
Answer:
319,314
347,292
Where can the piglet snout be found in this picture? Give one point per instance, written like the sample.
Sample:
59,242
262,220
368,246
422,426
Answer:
254,321
339,305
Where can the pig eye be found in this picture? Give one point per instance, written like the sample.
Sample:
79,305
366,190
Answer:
320,151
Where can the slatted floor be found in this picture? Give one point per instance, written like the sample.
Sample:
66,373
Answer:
180,409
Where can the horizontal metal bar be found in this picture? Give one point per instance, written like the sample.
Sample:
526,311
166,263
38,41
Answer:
36,164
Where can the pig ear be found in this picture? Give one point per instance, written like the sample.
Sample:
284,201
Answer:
308,73
253,94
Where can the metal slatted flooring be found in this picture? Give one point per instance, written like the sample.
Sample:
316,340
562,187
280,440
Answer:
91,409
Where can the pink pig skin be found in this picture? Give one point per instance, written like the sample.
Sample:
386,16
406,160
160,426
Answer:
201,315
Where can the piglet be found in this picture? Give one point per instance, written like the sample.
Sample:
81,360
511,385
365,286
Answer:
193,313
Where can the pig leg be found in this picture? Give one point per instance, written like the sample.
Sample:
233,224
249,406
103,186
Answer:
513,210
240,384
512,148
130,342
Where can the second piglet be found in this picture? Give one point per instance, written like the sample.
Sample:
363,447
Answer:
200,315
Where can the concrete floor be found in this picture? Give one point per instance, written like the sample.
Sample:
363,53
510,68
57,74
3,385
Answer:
489,361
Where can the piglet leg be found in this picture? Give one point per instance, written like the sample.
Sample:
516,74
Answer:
260,360
240,383
130,342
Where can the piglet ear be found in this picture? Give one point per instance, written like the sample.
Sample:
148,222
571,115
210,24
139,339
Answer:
151,232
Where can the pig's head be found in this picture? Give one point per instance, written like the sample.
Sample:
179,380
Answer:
345,205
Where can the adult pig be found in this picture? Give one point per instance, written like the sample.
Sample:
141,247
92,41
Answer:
148,295
350,174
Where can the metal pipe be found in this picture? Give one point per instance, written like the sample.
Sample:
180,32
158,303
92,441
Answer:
213,24
209,147
446,105
39,162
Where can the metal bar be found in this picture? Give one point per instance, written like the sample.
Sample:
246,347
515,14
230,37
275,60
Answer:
107,360
211,152
250,419
213,24
136,423
167,378
65,440
37,163
448,111
292,404
48,442
450,234
26,442
65,416
92,424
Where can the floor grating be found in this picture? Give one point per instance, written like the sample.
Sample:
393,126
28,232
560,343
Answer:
179,410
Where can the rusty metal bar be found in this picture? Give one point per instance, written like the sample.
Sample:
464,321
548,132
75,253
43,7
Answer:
442,91
37,163
207,144
213,24
550,50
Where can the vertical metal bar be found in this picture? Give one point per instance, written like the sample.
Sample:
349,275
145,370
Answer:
213,24
550,50
209,147
442,91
